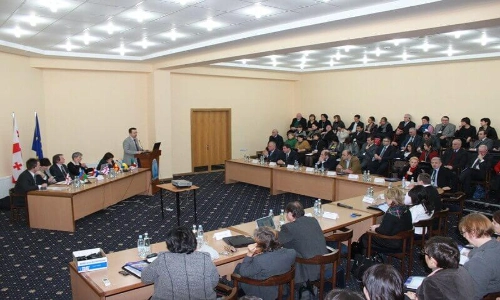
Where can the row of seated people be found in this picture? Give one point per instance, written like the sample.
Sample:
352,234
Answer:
40,173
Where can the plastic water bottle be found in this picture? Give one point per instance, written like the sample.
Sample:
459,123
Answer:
319,207
368,177
412,182
316,170
271,214
194,230
365,178
140,247
403,182
322,169
282,218
296,165
147,244
200,239
316,207
262,160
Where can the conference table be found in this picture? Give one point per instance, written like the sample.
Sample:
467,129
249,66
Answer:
89,285
58,207
285,180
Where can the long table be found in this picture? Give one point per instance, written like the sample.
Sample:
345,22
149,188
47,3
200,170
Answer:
284,180
60,206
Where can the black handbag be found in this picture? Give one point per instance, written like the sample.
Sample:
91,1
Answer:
362,263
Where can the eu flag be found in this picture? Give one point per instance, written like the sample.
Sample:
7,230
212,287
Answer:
37,140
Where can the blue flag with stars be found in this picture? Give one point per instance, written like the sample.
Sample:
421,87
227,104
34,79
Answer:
37,140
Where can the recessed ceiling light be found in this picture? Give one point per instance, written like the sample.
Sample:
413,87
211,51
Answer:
17,31
365,59
209,24
258,10
69,47
173,34
111,28
53,5
140,15
377,52
33,19
144,43
404,56
122,49
86,37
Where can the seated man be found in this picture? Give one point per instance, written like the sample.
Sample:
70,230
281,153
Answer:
288,156
398,137
412,137
382,157
444,130
349,164
357,122
482,139
304,235
431,139
384,128
476,169
442,177
271,153
276,138
366,152
432,193
359,136
298,120
27,180
58,168
455,158
405,125
326,161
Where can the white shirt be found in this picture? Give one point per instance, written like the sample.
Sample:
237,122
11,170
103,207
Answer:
418,214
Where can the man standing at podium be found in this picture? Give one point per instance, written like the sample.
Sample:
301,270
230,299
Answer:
131,146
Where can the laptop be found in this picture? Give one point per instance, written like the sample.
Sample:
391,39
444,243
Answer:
266,221
156,146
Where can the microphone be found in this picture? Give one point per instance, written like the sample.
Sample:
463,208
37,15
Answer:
344,205
140,144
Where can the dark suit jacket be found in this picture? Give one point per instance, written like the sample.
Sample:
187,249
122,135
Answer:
305,236
302,122
406,128
445,178
388,154
484,166
385,132
329,165
359,138
487,142
459,161
278,140
352,127
292,157
417,140
263,266
318,145
275,155
434,197
57,173
25,183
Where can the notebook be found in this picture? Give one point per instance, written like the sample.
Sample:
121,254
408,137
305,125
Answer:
135,267
382,207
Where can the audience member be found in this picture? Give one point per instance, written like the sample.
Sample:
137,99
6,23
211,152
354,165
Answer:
75,167
428,153
444,130
289,156
338,294
264,259
476,169
482,139
300,131
304,235
366,152
355,123
395,220
381,158
422,208
181,272
483,264
317,144
277,139
427,137
371,126
383,282
131,146
398,138
432,192
359,136
411,171
448,280
106,160
298,120
408,152
405,125
312,121
442,177
328,135
323,122
342,134
496,223
302,148
337,122
326,161
291,139
411,137
466,132
58,168
349,164
455,158
384,129
46,177
486,126
27,181
271,153
425,126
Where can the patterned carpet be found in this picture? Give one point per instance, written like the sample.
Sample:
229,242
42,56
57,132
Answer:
35,262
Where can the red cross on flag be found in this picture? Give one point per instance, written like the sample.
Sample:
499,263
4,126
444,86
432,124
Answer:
17,156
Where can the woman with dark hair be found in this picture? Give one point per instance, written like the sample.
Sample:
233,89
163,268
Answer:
337,122
181,272
422,208
44,173
328,135
383,282
483,264
107,159
312,121
425,126
447,280
370,127
343,295
490,132
466,132
409,152
428,153
264,259
323,122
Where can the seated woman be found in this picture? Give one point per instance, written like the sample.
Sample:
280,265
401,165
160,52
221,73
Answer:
44,174
425,126
264,259
422,208
382,282
447,280
483,264
411,171
75,167
371,127
302,148
409,152
312,121
465,132
312,132
396,219
329,135
181,272
300,131
337,122
107,159
291,140
428,153
323,122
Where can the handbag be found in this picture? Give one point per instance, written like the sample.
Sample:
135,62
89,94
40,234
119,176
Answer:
362,263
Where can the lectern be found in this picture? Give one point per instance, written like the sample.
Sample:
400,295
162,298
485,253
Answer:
151,160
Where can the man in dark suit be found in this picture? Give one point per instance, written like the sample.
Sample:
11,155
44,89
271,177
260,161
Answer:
442,177
271,153
482,139
476,169
298,120
27,181
357,122
412,137
304,235
288,156
382,157
455,159
366,153
277,139
359,136
58,169
406,124
328,163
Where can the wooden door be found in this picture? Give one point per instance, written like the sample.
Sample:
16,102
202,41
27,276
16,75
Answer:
210,137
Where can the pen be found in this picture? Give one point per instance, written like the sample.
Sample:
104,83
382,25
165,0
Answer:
344,205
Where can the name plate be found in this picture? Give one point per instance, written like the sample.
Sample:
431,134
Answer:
309,169
255,161
272,164
219,235
368,199
353,176
379,180
290,167
331,173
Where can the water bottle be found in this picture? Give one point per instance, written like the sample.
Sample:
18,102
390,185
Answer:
194,230
367,192
262,159
316,208
200,239
372,192
322,169
147,244
296,165
403,182
316,170
282,218
319,207
368,177
412,182
365,178
140,247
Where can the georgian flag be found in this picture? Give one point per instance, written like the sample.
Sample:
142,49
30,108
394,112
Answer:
17,157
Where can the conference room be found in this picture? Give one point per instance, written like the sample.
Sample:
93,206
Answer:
88,97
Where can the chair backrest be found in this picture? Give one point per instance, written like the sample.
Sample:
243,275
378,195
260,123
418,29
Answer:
404,236
457,198
442,216
278,280
340,236
233,295
323,260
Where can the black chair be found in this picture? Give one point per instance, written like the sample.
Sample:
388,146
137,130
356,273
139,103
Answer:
15,206
457,199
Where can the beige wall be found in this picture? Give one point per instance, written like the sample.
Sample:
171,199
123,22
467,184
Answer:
456,89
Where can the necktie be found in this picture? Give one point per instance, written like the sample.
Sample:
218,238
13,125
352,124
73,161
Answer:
287,157
433,177
63,171
347,164
136,146
382,152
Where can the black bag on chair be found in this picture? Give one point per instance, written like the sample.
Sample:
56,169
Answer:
361,263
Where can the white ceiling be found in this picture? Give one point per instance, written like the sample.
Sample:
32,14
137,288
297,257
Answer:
81,28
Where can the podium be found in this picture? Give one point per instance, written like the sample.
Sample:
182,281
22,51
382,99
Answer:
151,160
